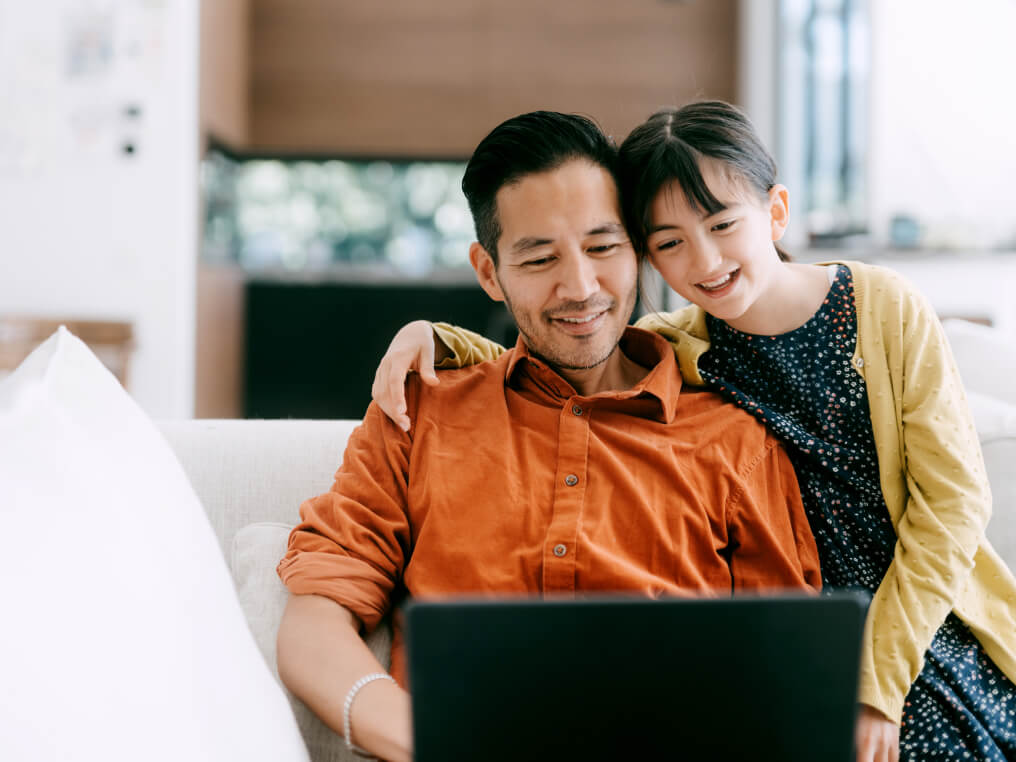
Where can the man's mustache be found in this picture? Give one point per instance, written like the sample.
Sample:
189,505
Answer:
567,309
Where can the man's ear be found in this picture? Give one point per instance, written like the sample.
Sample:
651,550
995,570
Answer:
779,210
485,268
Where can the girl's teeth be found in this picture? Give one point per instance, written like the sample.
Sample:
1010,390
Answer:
713,285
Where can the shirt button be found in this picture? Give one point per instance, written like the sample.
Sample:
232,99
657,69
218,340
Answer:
571,480
560,550
576,409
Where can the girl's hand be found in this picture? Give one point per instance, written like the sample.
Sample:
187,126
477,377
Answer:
877,738
411,349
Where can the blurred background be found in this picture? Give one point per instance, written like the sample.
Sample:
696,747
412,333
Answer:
237,202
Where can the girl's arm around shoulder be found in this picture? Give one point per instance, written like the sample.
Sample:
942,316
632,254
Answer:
464,347
686,331
421,346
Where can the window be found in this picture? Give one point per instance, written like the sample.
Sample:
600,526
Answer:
823,76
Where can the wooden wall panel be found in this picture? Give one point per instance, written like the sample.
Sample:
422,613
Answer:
219,367
224,101
430,79
224,106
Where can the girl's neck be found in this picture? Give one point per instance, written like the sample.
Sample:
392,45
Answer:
795,292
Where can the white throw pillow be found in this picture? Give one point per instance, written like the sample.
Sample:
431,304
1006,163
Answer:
122,635
986,358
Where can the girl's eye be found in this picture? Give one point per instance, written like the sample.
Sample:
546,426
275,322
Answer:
668,244
723,225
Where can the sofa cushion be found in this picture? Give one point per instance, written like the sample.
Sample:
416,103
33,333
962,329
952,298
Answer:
247,472
986,358
257,549
996,428
123,638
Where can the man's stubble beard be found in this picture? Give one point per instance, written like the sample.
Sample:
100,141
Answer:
559,361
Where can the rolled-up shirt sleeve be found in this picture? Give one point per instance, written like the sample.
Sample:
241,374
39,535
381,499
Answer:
352,542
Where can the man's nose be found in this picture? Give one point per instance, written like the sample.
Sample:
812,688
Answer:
579,277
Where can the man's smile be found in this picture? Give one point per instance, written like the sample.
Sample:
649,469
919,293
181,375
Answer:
580,322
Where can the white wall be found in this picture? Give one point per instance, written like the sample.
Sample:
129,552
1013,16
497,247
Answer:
86,231
943,114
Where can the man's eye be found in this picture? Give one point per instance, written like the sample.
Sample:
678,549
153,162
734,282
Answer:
603,248
536,262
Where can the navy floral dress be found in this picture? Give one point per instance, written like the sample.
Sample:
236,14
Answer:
802,385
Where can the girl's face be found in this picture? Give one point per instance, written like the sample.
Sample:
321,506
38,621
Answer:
725,263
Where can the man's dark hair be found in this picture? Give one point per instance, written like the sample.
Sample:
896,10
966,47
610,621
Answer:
535,142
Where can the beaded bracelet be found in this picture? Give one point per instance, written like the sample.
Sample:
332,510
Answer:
347,728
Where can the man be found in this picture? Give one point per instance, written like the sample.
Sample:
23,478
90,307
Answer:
573,462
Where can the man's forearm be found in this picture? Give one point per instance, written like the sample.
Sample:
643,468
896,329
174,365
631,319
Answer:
321,656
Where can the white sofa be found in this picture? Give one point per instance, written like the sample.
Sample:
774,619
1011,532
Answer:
252,476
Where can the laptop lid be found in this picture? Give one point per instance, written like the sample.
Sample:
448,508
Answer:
767,678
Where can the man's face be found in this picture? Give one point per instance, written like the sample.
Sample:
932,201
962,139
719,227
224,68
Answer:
566,269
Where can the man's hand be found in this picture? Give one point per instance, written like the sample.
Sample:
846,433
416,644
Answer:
412,348
877,738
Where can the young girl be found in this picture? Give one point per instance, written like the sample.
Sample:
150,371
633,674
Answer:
848,365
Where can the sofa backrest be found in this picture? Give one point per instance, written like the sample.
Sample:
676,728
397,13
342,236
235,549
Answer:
256,471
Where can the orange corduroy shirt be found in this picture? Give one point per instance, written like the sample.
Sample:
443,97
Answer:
512,483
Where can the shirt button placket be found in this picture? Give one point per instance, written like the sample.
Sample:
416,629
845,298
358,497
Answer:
561,539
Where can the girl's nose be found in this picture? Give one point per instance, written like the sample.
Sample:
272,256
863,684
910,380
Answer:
706,257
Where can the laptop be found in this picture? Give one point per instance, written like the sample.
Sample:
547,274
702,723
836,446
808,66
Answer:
611,678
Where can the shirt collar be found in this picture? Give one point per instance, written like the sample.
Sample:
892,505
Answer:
655,396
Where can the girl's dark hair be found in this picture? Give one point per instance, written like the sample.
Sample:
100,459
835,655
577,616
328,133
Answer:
535,142
669,146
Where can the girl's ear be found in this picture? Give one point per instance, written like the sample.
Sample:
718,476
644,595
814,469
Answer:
485,268
779,211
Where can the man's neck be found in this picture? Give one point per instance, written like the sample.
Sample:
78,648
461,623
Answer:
617,373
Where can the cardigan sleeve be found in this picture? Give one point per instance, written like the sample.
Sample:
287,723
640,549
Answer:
942,488
686,331
466,347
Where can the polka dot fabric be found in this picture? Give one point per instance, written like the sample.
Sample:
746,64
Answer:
803,386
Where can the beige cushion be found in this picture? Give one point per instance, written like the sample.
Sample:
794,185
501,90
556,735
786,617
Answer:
996,428
257,549
253,471
986,358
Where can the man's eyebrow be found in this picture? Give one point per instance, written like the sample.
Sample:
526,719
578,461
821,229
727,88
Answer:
608,227
529,242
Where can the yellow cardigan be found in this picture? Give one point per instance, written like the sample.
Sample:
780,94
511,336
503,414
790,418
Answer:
931,471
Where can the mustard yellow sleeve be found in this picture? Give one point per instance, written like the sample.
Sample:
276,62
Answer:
940,485
467,348
686,331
